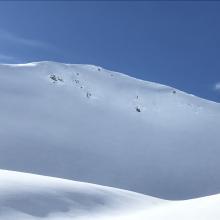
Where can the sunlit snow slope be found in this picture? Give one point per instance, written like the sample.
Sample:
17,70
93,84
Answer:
28,196
85,123
31,197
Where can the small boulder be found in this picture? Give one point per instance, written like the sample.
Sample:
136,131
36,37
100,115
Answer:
53,77
138,109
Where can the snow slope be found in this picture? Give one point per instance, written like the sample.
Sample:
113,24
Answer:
85,123
27,196
31,197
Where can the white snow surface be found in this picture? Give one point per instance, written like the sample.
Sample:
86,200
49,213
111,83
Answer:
29,196
32,197
82,122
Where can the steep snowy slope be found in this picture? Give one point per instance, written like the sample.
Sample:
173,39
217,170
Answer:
86,123
31,197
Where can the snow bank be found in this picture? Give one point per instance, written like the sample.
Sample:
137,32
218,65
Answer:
26,196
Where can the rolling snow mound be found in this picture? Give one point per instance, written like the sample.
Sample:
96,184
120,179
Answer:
32,197
27,196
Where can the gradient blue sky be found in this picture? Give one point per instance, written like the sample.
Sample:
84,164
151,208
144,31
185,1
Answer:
173,43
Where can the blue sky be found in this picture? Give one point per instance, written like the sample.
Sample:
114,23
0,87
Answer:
173,43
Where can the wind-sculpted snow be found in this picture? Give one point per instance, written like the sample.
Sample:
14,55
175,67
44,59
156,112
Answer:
32,197
85,123
28,196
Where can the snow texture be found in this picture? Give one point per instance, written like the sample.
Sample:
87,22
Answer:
32,197
85,123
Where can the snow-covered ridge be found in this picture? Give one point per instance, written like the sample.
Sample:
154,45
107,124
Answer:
94,125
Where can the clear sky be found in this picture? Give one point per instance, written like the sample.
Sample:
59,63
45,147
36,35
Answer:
173,43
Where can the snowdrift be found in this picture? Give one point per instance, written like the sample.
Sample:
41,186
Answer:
32,197
27,196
